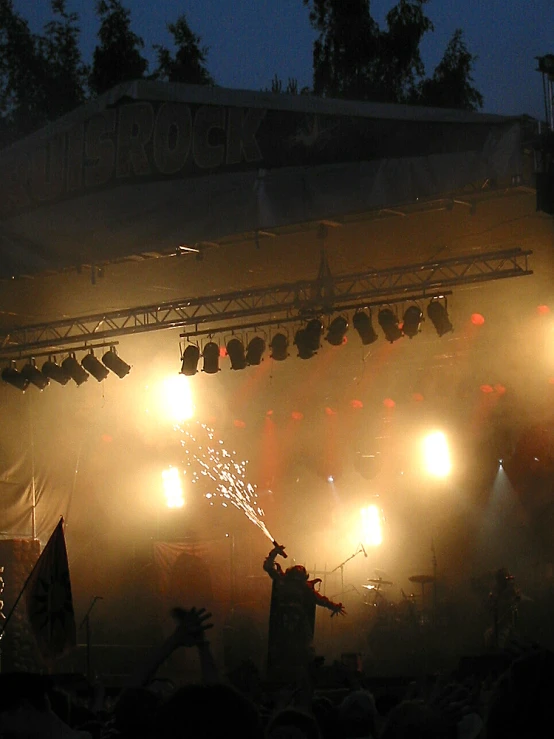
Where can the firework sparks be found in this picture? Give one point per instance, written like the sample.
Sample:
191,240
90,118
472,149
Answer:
207,458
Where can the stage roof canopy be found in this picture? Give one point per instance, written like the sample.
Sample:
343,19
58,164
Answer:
151,169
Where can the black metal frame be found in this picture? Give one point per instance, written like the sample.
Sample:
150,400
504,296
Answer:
271,304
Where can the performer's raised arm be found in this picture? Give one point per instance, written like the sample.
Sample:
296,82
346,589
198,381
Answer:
273,568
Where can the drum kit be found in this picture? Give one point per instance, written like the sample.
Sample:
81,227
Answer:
411,610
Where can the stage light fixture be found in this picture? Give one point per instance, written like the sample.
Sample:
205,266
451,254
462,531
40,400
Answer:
114,363
31,372
12,376
337,331
72,368
255,350
364,326
279,347
191,357
413,317
389,323
303,344
438,315
53,371
437,454
211,358
314,329
235,350
94,367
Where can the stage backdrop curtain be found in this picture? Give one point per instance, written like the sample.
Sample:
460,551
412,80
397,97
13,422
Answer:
193,573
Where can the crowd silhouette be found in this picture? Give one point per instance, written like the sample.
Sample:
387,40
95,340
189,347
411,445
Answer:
509,698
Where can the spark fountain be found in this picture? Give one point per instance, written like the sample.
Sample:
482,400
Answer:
207,457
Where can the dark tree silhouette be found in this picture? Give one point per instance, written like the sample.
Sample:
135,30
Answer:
346,52
188,64
291,88
41,77
67,75
450,86
354,58
401,64
117,58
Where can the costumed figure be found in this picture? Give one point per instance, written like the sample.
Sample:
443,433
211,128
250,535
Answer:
292,617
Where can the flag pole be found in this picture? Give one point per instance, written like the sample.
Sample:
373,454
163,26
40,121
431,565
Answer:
12,609
33,481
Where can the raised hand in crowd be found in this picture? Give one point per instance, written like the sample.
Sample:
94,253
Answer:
190,631
191,626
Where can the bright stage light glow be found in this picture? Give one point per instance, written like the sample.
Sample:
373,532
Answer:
173,488
178,398
437,454
372,532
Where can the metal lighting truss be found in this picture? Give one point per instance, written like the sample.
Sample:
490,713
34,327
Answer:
270,305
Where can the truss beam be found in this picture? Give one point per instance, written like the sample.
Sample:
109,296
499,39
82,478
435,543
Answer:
275,303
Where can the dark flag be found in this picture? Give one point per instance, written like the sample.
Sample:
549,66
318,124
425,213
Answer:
49,599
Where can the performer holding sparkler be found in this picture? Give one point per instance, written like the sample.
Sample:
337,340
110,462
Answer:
292,617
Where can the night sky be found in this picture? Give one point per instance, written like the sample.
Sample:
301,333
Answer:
251,40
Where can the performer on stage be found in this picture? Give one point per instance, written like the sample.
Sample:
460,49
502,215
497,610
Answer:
292,617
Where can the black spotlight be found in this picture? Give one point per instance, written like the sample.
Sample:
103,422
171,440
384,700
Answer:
13,377
412,321
389,323
314,329
72,368
94,367
53,371
304,344
34,375
279,347
337,331
363,325
114,363
439,317
191,357
235,350
255,350
211,358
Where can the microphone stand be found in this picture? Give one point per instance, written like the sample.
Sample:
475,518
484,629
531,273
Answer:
86,622
341,567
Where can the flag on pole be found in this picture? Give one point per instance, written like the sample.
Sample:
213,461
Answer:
49,599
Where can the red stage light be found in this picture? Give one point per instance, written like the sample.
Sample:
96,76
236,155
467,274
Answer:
222,351
239,424
356,404
543,310
330,411
297,416
417,396
500,389
487,389
477,319
269,413
389,403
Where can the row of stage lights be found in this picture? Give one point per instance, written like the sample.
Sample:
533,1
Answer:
69,369
308,339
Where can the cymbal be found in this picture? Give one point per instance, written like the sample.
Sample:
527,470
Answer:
422,579
378,581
